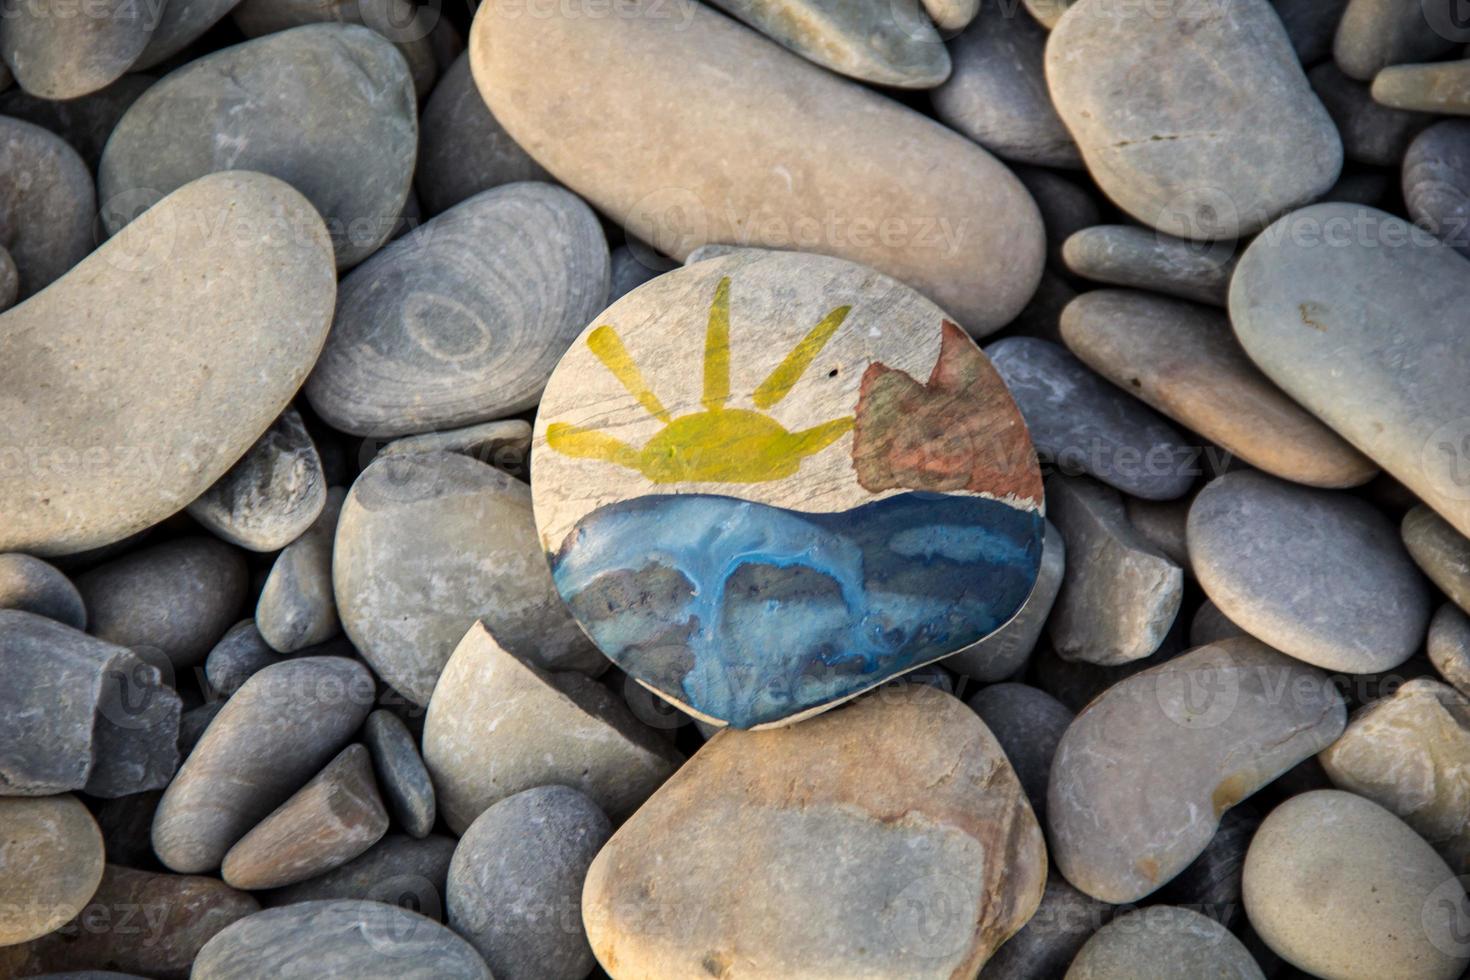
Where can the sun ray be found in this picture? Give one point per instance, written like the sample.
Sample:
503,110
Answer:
717,349
570,440
778,383
811,441
608,346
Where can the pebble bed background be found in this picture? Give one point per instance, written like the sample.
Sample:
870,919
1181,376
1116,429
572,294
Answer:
287,689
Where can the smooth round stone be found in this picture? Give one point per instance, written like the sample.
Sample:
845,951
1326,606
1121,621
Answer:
1371,133
398,870
116,445
46,205
279,729
1117,603
428,544
1005,652
1442,87
1374,34
1191,147
401,773
50,864
85,122
271,495
31,585
1449,645
338,940
1436,181
760,148
517,873
1125,255
1028,723
1210,625
1142,776
180,23
1410,753
1047,12
1163,525
890,43
1338,886
462,320
498,725
1066,206
1163,942
1440,551
1257,541
951,15
239,655
400,21
1063,922
329,108
1183,360
1357,315
178,597
997,95
719,545
894,841
1081,424
58,50
1311,25
297,606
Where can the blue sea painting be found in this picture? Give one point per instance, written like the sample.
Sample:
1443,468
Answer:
750,613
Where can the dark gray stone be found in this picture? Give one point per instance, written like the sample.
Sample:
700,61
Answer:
1371,133
1051,937
125,822
1028,723
86,122
241,653
1436,182
1210,625
1163,525
1311,25
32,585
1440,551
1374,34
1126,255
401,773
271,496
47,203
633,264
297,607
515,883
193,723
398,870
180,25
1042,317
1211,884
1066,206
59,50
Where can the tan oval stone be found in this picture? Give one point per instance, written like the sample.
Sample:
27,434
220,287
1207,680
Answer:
1439,87
889,838
1441,552
714,134
101,440
50,864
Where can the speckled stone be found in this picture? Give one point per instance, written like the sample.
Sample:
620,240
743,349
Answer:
894,840
278,730
1143,774
398,870
1449,645
1140,258
297,607
338,940
271,495
1374,34
178,597
1319,575
1183,360
31,585
1339,887
329,108
497,726
1371,133
1028,723
1042,949
1119,594
1436,182
47,203
515,884
1442,87
1164,942
401,773
1191,147
1004,653
431,542
50,864
85,122
997,95
1440,551
60,51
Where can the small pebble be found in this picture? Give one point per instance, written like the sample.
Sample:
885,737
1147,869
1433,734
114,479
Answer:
297,607
1125,255
1442,87
1028,723
31,585
1049,940
50,864
57,52
398,870
1449,645
1163,942
401,773
1374,34
406,25
47,203
1436,182
1441,552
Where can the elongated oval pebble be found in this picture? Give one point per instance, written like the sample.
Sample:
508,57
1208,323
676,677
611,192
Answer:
46,204
29,584
272,494
50,864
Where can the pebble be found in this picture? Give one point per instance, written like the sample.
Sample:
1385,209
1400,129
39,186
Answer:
1339,887
893,839
325,824
498,725
997,95
1211,883
1140,258
1066,206
1442,87
1449,645
1210,625
1004,653
80,713
1163,942
328,107
1321,576
56,51
401,773
951,15
1183,360
1049,940
1163,524
890,43
1371,133
31,585
178,598
279,729
633,266
1374,34
1028,723
1119,595
1311,25
297,607
462,320
1191,147
515,884
84,123
504,444
429,543
50,864
192,726
1436,182
1314,319
398,870
46,205
1142,776
1080,423
338,940
180,23
1441,552
272,495
1048,12
760,148
182,295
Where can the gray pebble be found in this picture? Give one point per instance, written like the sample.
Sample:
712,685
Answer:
240,654
1210,625
297,607
1440,551
398,870
1449,645
1164,942
179,25
271,495
1028,723
401,773
504,444
1211,884
32,585
1163,524
1066,206
1045,945
1004,653
47,203
1126,255
1436,182
1311,25
85,123
1374,34
1371,133
634,264
57,51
